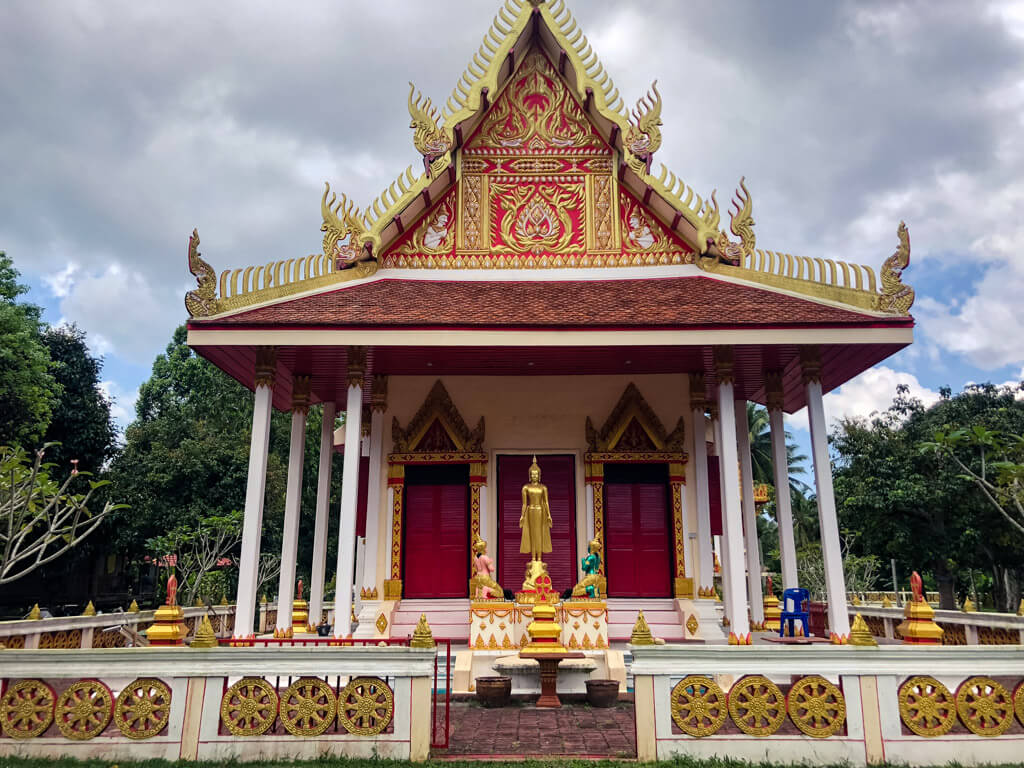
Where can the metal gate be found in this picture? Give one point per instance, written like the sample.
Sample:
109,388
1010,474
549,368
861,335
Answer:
440,703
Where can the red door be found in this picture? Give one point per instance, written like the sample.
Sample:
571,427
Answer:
436,534
638,533
558,473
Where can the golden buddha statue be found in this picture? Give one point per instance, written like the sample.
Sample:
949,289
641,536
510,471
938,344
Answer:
484,586
535,520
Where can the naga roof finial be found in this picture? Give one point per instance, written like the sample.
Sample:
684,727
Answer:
897,298
202,302
343,229
644,137
430,141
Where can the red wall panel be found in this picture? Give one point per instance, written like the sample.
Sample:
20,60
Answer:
558,473
436,532
638,542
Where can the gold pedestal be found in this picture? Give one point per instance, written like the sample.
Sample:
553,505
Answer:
918,627
772,613
545,633
683,587
168,626
300,616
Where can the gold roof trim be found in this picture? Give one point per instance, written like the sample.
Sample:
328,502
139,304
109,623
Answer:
354,237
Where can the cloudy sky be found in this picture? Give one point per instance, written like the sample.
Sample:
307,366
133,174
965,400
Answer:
126,124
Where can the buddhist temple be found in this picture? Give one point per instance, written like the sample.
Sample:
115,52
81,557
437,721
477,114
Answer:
537,284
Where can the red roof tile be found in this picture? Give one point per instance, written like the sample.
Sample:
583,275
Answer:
678,302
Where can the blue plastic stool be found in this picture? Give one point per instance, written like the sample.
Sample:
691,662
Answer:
795,598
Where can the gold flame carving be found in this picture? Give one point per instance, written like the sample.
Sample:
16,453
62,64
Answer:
432,142
644,136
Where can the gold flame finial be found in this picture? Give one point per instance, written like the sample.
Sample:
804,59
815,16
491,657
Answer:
204,637
641,634
90,610
860,634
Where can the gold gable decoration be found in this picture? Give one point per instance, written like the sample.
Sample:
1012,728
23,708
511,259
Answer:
354,238
437,409
630,412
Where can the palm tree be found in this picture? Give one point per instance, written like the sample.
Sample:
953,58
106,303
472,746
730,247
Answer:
761,450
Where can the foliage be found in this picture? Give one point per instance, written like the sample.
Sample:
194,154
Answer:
28,389
81,423
41,519
198,548
859,571
999,481
186,457
914,506
761,450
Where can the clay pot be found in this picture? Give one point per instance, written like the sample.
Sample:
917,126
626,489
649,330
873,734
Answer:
323,630
602,693
493,692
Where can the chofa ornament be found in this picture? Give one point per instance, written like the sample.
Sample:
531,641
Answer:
927,707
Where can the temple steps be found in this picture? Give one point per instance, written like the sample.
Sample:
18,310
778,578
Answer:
660,614
448,618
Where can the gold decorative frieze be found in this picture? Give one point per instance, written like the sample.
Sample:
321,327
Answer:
437,427
633,426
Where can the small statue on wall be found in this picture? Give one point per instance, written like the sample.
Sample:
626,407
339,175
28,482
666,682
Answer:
590,585
485,586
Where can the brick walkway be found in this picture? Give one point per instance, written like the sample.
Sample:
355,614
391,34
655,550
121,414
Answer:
524,730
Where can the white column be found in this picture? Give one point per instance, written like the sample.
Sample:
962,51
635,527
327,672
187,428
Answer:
736,607
705,551
373,507
248,564
292,505
783,501
749,515
323,503
349,497
835,582
723,551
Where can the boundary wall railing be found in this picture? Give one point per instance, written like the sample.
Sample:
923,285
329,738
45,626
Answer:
960,628
217,704
830,704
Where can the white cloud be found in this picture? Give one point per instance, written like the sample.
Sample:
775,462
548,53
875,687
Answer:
122,402
60,283
120,312
871,392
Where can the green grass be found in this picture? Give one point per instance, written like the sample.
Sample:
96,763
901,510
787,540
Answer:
19,762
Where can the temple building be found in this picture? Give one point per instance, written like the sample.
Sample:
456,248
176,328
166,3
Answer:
536,284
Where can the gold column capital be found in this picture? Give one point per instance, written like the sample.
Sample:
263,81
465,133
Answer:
266,367
356,366
773,387
725,364
300,394
379,393
810,363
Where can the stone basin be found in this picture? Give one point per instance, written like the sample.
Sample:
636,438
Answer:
525,674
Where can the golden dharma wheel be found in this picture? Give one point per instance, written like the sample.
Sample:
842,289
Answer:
249,707
984,706
757,706
816,706
1018,702
143,708
927,707
308,707
84,710
366,706
698,706
26,709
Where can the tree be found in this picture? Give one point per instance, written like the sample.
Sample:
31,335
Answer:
999,481
28,390
761,450
81,425
41,519
915,506
860,572
197,549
